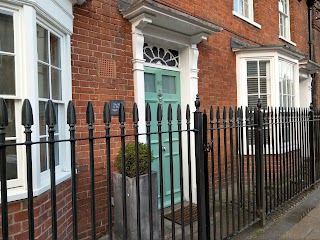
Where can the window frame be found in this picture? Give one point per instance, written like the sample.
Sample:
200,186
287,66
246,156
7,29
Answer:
286,35
64,159
250,17
14,12
59,21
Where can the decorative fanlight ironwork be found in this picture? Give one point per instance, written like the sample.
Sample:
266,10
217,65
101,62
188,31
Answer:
160,56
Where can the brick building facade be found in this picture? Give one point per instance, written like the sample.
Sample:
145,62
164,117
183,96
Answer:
228,52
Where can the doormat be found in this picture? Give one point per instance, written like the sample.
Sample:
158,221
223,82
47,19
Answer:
187,217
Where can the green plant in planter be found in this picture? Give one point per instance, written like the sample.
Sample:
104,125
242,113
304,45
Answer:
130,152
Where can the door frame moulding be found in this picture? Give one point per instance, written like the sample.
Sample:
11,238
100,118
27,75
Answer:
155,23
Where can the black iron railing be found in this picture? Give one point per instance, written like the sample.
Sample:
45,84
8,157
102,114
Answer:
248,162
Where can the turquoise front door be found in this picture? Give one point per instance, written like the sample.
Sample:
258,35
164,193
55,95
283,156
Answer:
163,86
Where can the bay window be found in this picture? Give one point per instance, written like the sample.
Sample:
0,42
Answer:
35,63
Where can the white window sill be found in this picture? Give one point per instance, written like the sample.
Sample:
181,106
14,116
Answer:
20,193
257,25
287,40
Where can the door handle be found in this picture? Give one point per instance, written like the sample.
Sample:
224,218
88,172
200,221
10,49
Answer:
164,149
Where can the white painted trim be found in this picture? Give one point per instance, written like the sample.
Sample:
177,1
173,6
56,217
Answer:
58,12
257,25
287,40
142,31
20,193
26,15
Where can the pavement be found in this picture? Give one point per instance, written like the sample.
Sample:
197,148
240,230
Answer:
302,221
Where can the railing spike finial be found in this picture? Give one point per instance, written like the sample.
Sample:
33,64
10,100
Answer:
3,113
170,112
211,114
179,112
135,113
218,114
230,114
247,113
159,112
148,113
122,114
188,112
224,114
26,114
259,105
106,113
311,107
71,114
197,103
90,113
50,114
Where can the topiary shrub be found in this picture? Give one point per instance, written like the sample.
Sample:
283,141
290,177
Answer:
130,151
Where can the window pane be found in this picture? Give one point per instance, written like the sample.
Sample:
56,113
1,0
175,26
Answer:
43,155
252,85
42,44
252,100
263,68
43,77
6,36
264,101
56,109
252,68
11,157
56,150
55,50
168,84
56,84
7,74
236,5
149,82
11,129
263,85
42,121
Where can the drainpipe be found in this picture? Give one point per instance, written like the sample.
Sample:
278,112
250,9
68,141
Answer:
310,4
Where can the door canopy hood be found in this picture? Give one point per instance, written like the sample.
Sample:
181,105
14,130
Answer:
167,18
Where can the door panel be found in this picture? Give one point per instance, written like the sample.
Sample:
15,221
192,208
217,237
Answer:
163,86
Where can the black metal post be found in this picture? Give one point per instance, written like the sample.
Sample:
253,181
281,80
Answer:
312,148
3,167
72,120
51,122
90,122
27,122
122,120
107,121
201,176
260,164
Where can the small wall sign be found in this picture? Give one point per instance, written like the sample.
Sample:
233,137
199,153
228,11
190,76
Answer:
114,106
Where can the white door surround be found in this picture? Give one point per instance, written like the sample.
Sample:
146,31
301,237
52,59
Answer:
160,25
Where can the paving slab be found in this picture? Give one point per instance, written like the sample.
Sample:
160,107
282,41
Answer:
300,222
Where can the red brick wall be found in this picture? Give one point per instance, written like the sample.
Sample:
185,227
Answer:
100,32
18,215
